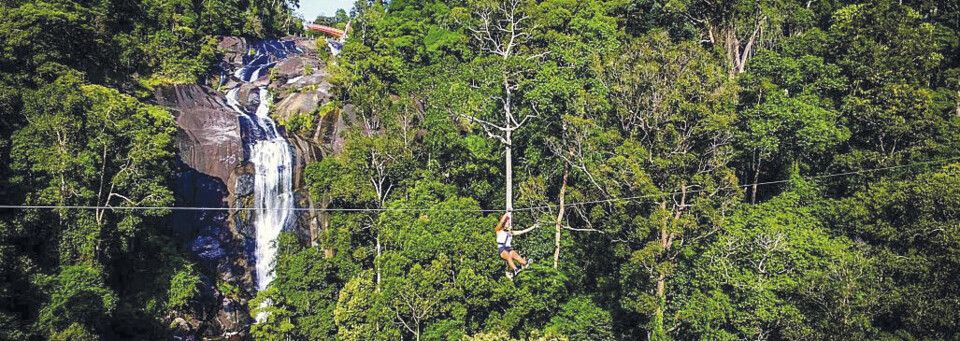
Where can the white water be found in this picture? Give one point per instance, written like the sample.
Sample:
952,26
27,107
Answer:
272,191
273,186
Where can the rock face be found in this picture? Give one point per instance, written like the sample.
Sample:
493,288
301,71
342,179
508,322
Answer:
302,86
209,138
212,155
216,172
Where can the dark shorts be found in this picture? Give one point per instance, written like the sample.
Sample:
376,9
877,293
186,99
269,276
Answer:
504,248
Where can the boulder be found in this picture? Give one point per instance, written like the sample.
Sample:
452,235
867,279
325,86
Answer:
296,66
244,185
233,50
298,103
308,46
300,82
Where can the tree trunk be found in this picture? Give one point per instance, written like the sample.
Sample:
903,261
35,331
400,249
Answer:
658,332
377,262
742,62
666,244
756,180
563,191
509,165
509,125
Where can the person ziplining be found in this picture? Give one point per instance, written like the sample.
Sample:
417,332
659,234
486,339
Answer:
505,236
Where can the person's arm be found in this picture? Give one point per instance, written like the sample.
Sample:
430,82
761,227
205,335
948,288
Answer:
503,220
527,230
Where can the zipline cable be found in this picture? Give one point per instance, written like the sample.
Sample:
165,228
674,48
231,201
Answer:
530,208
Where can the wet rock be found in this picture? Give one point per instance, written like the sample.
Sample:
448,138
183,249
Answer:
248,96
234,317
244,185
253,98
233,49
243,219
209,135
308,46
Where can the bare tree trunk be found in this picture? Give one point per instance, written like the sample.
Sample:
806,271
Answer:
657,331
377,262
509,165
661,295
563,191
732,45
509,146
756,180
742,62
737,56
666,244
500,32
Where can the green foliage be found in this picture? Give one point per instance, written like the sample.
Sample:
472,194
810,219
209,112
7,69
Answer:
309,283
750,277
360,314
184,289
79,304
581,319
909,228
738,170
680,104
504,337
274,322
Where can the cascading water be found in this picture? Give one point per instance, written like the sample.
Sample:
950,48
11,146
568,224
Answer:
273,160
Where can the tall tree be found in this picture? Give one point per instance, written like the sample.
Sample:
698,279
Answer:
738,27
501,30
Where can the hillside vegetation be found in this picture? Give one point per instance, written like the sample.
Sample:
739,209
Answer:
729,170
694,169
76,128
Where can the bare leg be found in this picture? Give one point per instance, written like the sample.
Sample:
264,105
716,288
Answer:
515,255
507,257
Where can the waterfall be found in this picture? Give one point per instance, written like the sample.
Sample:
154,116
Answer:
273,160
273,190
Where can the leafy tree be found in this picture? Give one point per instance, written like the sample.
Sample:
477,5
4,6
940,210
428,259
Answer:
304,292
123,163
787,117
738,28
274,322
500,31
184,289
360,313
581,319
908,227
749,278
79,304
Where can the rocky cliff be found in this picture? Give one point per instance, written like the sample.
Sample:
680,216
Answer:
216,171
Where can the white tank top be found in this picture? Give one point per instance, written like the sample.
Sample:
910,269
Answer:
504,238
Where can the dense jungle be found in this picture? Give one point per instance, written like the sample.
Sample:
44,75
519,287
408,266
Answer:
671,170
